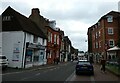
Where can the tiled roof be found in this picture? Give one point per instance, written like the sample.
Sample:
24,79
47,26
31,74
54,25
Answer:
19,22
115,14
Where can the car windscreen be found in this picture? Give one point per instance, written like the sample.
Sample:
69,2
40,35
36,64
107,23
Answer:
2,57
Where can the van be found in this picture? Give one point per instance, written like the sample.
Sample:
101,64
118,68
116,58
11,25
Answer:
3,62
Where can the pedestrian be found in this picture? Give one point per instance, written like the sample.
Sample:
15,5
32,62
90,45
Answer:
103,62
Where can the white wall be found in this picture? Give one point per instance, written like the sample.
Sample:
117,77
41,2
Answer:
29,38
11,41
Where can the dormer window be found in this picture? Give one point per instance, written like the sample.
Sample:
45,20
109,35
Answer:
109,18
6,18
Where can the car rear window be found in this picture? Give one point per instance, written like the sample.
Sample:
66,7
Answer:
84,62
2,57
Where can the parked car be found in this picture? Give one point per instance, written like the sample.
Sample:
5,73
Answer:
84,67
3,62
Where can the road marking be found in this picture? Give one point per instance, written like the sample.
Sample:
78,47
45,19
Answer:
70,77
92,79
37,74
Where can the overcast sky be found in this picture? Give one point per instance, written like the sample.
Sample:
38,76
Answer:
74,17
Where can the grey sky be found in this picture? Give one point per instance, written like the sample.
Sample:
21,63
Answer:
74,17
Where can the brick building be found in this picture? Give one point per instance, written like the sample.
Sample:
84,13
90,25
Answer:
104,34
53,44
52,33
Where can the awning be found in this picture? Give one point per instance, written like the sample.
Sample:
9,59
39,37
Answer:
36,46
114,48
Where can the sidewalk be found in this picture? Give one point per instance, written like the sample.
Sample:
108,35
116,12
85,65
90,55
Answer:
10,70
111,70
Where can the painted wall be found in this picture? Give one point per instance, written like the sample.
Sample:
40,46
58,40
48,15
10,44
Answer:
12,47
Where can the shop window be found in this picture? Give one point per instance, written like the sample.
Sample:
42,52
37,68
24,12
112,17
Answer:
36,58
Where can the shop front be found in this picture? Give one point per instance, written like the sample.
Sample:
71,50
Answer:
35,55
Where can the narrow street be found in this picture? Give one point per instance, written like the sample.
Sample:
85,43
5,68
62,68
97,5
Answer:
61,72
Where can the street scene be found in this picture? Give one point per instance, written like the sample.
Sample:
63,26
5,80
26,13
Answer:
64,41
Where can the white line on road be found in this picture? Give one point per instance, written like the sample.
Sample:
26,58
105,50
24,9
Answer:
70,77
37,74
92,79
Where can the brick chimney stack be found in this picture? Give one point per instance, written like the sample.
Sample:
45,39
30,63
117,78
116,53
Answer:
35,11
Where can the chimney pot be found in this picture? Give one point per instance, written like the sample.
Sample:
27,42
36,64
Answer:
35,11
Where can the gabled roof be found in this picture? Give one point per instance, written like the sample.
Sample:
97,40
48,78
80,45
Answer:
19,22
115,14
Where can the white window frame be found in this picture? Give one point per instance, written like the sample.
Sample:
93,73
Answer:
96,44
58,39
6,18
110,31
55,37
110,43
99,33
100,44
109,18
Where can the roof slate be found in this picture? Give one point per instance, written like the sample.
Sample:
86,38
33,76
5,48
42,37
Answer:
19,22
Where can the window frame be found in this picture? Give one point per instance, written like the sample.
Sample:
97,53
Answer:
110,18
110,43
110,31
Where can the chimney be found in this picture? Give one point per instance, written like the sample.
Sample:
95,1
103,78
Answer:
35,11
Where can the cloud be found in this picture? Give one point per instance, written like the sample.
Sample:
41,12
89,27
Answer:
72,16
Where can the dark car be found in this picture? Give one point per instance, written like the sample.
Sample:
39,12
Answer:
84,67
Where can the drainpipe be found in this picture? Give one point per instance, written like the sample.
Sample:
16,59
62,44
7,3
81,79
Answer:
24,49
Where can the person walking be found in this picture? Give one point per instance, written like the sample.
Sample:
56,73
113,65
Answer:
103,62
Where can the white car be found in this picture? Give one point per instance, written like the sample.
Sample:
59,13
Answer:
3,62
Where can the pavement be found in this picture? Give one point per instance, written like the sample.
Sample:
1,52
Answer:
10,70
108,69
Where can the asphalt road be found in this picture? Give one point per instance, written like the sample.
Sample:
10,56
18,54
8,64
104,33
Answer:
54,73
61,72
